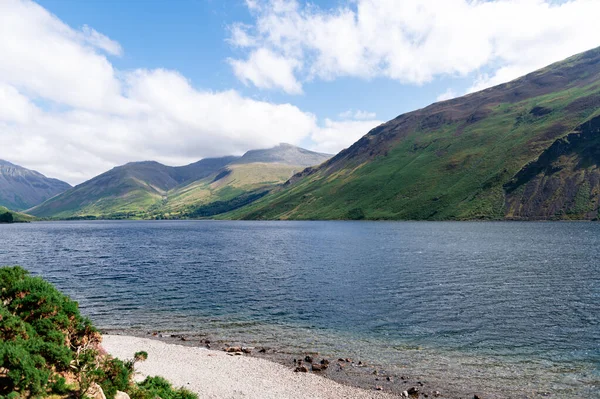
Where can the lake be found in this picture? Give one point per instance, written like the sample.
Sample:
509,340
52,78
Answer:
510,307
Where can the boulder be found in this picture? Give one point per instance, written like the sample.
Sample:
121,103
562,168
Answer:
317,367
308,359
121,395
233,349
301,369
95,392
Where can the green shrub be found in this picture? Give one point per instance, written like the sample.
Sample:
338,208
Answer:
59,386
152,387
115,376
43,338
40,331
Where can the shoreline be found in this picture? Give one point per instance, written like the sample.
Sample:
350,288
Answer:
354,374
216,374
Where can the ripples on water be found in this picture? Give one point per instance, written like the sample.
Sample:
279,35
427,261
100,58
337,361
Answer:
495,304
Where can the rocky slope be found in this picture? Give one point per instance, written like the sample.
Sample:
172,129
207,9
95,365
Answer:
493,154
21,188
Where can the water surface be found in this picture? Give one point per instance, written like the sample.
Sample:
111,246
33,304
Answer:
510,307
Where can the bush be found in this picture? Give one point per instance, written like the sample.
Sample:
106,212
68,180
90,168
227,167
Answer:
115,376
153,387
40,331
43,338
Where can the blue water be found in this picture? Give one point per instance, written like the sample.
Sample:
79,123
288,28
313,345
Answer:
512,308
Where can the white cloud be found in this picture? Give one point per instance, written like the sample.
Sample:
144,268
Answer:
336,135
447,95
414,41
268,70
358,114
67,112
100,41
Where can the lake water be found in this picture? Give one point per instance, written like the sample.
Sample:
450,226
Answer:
513,308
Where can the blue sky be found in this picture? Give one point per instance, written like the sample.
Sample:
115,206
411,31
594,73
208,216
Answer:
191,36
89,85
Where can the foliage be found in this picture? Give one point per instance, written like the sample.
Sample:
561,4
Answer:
43,338
17,217
6,217
40,329
153,387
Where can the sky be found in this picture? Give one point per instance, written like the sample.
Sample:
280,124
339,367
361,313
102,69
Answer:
89,85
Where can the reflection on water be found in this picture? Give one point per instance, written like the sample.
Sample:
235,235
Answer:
496,304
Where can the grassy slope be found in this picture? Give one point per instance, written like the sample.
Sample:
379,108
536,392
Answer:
17,216
224,186
453,170
122,193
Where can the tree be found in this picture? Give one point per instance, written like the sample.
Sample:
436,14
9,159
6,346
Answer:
6,217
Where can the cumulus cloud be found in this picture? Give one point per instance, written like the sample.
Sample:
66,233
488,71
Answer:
67,112
336,135
268,70
415,41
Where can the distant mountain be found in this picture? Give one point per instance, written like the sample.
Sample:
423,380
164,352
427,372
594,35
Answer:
152,190
285,154
21,188
527,149
125,190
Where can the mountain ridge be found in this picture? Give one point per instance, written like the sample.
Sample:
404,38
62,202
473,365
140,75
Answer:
451,159
22,188
143,189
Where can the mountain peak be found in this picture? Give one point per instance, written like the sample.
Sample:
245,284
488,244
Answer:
22,188
284,153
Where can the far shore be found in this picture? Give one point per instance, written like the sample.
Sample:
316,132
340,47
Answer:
217,374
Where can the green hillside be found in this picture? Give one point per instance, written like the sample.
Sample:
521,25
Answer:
17,217
148,190
488,155
126,191
231,182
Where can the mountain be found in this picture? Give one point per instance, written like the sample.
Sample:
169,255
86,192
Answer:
285,154
152,190
527,149
22,188
245,179
125,190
